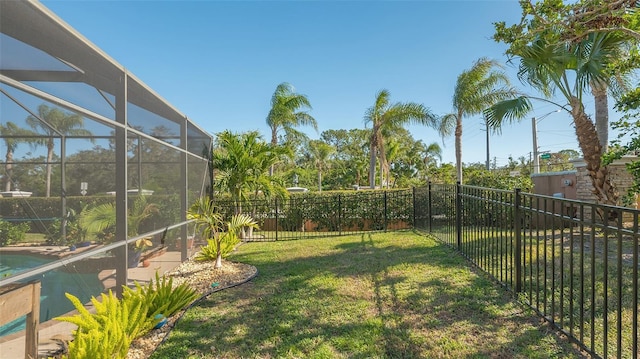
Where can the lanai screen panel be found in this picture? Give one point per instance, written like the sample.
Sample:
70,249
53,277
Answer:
78,132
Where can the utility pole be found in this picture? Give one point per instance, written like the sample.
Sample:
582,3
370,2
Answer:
487,128
536,160
534,128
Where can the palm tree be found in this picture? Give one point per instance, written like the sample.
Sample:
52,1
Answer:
476,89
103,216
432,154
387,118
221,236
241,162
615,46
319,152
569,69
55,123
9,131
286,114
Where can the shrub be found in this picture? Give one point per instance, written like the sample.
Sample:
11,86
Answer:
116,323
11,233
161,297
74,233
109,332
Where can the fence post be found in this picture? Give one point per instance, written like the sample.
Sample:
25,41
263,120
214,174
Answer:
385,211
459,216
517,217
429,206
413,200
276,219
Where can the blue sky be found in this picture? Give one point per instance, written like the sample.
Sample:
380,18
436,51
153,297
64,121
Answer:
220,61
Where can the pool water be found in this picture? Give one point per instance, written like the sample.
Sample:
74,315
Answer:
54,284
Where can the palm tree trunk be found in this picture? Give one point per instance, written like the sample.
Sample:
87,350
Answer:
274,142
372,166
384,168
601,100
458,144
219,255
589,143
319,181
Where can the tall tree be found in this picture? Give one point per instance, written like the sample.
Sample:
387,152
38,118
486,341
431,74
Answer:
550,64
319,154
350,162
10,132
476,89
385,118
55,123
287,113
580,26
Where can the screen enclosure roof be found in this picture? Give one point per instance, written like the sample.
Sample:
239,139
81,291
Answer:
72,57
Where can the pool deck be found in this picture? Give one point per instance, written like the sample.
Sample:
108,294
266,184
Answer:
52,332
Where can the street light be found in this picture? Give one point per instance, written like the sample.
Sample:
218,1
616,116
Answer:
536,160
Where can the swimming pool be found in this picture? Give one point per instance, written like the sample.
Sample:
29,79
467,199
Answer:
54,284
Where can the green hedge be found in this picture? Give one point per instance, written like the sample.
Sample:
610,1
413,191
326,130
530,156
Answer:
328,211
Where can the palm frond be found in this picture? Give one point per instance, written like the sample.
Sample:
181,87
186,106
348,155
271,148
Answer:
507,111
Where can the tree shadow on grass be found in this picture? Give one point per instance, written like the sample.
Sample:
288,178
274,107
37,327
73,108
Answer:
372,296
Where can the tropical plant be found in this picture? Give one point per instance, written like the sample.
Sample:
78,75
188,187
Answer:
11,233
476,89
109,331
570,69
161,297
319,154
55,123
241,162
74,232
8,132
221,236
286,114
385,119
101,219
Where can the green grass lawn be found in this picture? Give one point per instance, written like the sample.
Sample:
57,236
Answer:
383,295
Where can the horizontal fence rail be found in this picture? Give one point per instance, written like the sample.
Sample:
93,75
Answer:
575,263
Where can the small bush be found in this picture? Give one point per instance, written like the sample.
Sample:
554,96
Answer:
210,251
11,233
161,297
74,233
109,332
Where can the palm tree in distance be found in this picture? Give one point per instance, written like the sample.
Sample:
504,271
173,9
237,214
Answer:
55,123
385,118
476,89
9,131
319,153
287,113
432,152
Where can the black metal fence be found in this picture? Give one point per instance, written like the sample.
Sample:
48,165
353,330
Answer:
307,215
575,263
